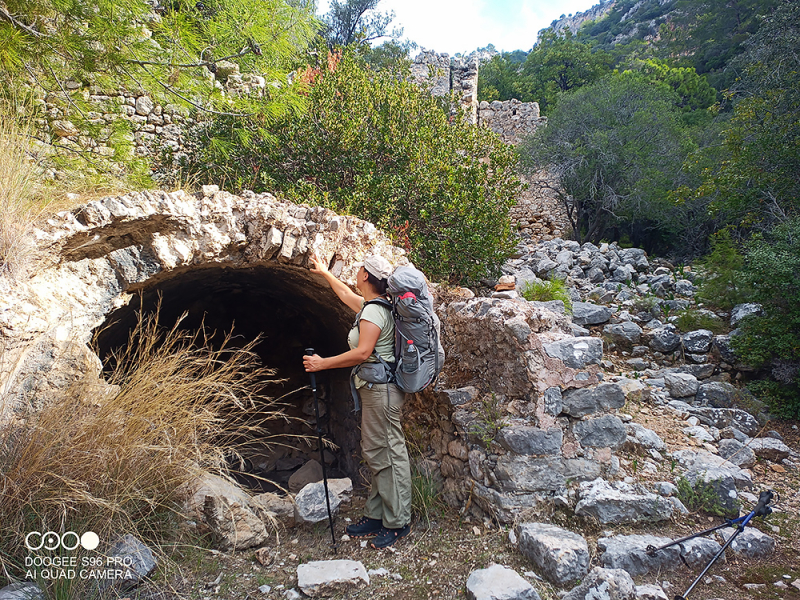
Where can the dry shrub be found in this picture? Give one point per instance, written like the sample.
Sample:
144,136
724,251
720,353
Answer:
118,459
19,189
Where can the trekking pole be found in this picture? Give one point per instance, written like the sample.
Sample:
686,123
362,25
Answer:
761,510
310,352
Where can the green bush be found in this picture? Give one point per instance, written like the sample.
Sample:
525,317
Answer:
376,145
544,291
691,320
721,284
771,271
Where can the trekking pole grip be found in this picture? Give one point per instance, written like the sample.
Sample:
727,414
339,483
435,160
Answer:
310,352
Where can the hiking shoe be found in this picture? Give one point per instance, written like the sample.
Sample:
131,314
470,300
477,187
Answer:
364,528
387,536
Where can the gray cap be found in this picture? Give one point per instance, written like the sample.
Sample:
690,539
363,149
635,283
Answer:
377,266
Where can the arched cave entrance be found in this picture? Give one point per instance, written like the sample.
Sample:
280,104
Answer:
291,309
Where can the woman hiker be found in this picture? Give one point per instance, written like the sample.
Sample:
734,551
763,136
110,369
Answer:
387,514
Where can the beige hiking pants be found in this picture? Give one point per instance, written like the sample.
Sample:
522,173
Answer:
383,447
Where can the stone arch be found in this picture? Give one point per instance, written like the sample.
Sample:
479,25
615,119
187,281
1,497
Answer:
227,261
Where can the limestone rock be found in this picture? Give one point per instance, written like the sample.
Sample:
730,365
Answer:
698,341
586,313
641,437
717,394
681,385
770,448
138,558
726,417
531,440
227,511
618,502
624,334
22,590
697,553
629,552
310,505
751,543
323,578
585,401
311,472
523,473
740,311
737,453
607,431
561,555
460,396
604,584
650,592
664,339
279,507
499,583
716,466
576,352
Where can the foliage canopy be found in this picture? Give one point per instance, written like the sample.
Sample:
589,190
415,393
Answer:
375,145
615,149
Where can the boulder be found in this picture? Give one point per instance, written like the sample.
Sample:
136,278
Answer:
629,552
586,313
722,344
586,401
681,385
604,584
619,502
726,417
737,453
310,505
138,560
703,461
561,556
22,590
751,543
698,552
664,339
227,511
641,437
275,506
697,341
531,440
624,334
650,592
576,352
770,448
717,394
740,311
723,485
499,583
324,578
311,472
607,431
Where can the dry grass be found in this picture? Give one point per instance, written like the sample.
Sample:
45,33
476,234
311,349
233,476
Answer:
117,459
20,203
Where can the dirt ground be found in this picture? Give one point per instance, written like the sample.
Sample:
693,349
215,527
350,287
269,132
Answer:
438,556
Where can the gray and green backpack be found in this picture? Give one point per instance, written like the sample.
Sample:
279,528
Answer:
418,351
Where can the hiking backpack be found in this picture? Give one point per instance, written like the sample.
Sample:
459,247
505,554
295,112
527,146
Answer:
418,351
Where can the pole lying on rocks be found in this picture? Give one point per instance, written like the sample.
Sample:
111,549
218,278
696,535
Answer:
310,352
762,509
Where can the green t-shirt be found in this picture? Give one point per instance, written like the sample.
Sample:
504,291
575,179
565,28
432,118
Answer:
382,317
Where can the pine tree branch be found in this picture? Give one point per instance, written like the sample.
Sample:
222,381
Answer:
205,63
4,14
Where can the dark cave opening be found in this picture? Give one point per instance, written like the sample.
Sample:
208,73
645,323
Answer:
290,309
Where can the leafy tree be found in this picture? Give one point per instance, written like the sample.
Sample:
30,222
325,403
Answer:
557,64
755,182
377,146
615,148
771,270
350,21
499,78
